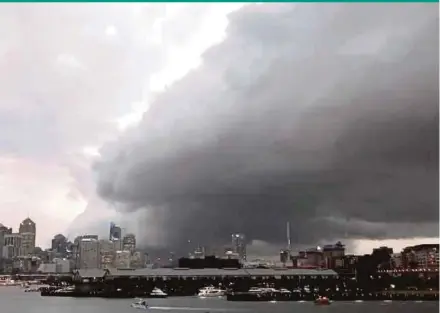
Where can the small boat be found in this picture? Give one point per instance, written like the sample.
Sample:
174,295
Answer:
322,301
211,292
158,293
140,304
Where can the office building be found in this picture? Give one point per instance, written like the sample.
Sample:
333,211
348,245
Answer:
421,256
12,245
59,244
27,230
122,259
137,260
239,245
107,253
129,243
115,232
89,253
3,231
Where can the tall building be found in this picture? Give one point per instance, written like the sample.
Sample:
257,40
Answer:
122,259
12,246
129,243
76,249
89,253
59,244
284,256
115,232
334,255
239,245
3,231
310,258
28,232
137,260
107,252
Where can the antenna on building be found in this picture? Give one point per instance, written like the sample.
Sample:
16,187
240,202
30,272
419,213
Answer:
289,244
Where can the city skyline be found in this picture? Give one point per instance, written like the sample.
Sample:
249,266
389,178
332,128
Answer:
119,251
233,245
219,127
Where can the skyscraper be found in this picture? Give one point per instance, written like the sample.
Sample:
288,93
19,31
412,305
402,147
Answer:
129,243
115,232
28,232
59,244
3,231
239,245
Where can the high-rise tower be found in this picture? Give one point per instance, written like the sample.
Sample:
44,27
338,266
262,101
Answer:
239,245
28,231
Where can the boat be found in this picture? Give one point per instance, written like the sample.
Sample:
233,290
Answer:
322,301
211,292
157,293
9,283
140,304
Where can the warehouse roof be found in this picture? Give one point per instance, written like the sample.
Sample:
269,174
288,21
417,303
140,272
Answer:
216,272
90,273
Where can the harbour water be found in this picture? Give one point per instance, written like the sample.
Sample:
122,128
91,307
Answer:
14,300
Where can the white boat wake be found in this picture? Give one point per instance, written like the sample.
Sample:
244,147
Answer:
170,308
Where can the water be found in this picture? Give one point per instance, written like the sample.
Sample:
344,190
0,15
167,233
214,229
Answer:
14,300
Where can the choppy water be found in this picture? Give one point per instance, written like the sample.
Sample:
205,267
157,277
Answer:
14,300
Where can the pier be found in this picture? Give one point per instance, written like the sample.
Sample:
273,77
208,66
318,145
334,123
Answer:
305,284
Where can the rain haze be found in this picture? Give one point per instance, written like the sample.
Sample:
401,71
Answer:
324,115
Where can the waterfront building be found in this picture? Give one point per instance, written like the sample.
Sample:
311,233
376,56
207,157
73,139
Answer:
421,256
239,245
396,260
122,259
76,249
311,258
28,231
129,243
12,245
333,255
107,251
26,264
89,253
382,257
137,260
61,265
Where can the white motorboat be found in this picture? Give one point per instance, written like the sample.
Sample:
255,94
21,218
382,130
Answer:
158,293
211,292
140,304
262,290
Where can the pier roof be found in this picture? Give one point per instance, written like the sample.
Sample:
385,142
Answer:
208,272
90,273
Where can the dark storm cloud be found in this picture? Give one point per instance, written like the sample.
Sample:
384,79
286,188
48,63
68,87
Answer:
325,115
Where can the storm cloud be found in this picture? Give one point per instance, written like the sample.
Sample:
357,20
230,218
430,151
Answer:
325,115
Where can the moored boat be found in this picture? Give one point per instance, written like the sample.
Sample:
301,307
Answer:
157,293
211,292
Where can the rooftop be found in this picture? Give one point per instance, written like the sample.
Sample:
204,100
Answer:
163,272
